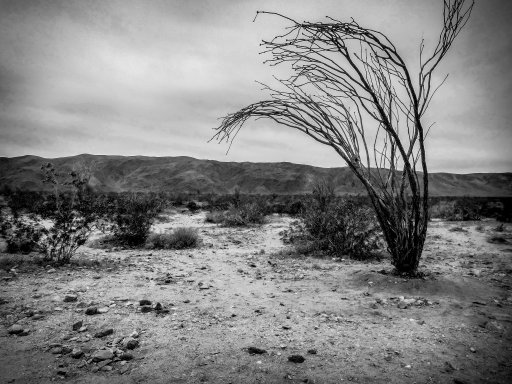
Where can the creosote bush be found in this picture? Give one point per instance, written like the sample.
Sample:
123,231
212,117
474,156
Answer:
334,226
240,215
133,216
180,238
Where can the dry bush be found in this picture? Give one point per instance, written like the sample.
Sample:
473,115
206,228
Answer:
180,238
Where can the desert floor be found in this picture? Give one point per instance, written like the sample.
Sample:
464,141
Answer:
350,321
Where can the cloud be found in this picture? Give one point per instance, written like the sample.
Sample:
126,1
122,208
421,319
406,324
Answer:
153,77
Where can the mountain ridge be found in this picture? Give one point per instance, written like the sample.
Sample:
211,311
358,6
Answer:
176,174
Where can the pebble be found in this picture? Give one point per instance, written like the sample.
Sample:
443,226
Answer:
70,298
76,353
144,302
77,325
103,310
15,329
102,354
91,311
312,351
256,351
296,359
130,343
146,308
104,332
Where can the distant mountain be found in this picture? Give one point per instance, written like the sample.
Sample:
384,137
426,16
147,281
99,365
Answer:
186,174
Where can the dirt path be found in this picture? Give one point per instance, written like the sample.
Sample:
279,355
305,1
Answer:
350,321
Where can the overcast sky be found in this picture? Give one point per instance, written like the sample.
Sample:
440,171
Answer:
153,77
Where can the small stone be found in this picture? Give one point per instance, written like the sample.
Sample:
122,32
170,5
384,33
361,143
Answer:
77,325
157,307
16,329
146,308
130,343
472,349
256,351
106,368
124,369
51,270
104,332
37,316
82,329
144,302
134,334
312,351
125,356
448,367
296,359
402,305
56,351
62,372
25,332
76,353
66,350
91,311
103,310
102,354
70,298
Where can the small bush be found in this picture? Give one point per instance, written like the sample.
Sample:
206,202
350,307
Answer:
21,236
216,217
335,226
133,216
180,238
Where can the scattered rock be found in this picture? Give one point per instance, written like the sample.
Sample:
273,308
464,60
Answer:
91,311
103,310
104,332
296,359
56,351
158,307
16,329
70,298
102,354
130,343
472,349
146,308
76,353
256,351
77,325
494,326
125,356
402,305
144,302
448,367
312,351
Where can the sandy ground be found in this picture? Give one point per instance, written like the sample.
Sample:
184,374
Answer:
350,321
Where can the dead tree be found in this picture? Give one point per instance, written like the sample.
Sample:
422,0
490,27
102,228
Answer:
351,90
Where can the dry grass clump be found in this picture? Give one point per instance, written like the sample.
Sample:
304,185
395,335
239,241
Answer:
180,238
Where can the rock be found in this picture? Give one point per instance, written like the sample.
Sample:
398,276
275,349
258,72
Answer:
16,329
103,310
256,351
77,325
106,368
157,307
146,308
91,311
37,316
472,349
124,369
312,351
448,367
402,305
296,359
82,329
134,334
144,302
25,332
62,372
104,363
76,353
104,332
56,351
130,343
102,354
125,356
70,298
66,350
52,270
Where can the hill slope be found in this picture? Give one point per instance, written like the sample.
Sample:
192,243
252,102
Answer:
186,174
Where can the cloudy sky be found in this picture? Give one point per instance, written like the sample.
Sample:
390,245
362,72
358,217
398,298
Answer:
152,77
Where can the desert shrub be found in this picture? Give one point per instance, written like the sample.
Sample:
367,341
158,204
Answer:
180,238
335,226
295,207
216,217
192,206
133,216
244,214
21,235
71,210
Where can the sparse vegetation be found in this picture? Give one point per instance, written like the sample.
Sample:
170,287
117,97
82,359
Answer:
341,227
179,238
